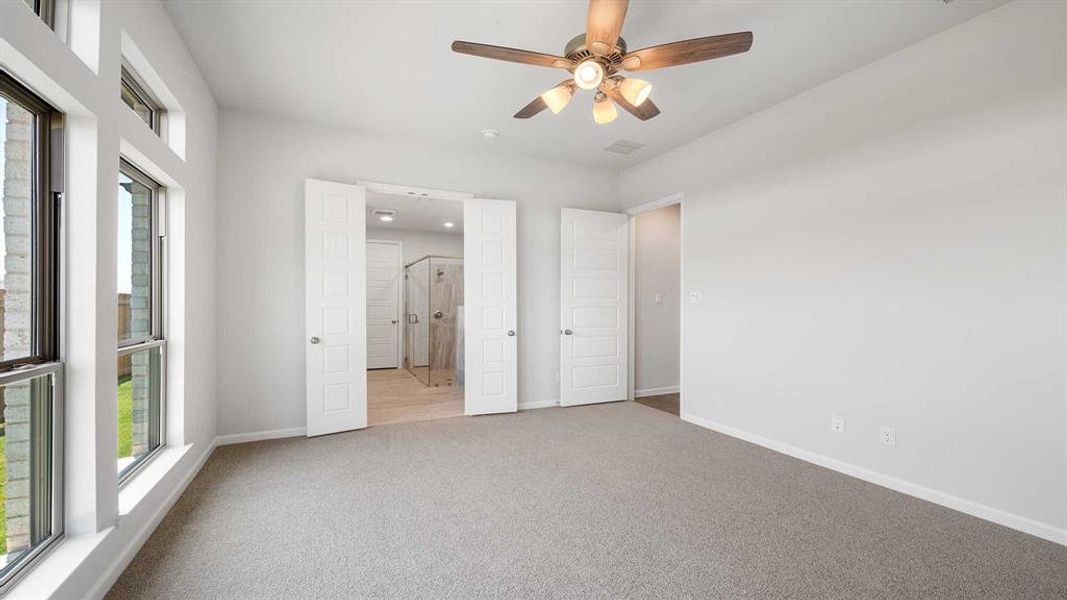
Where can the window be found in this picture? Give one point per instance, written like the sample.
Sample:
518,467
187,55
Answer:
44,9
136,96
30,373
141,346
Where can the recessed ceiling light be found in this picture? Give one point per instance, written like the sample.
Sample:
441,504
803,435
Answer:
490,134
385,214
449,224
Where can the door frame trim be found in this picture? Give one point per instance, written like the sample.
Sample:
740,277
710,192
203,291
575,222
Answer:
399,296
670,200
407,190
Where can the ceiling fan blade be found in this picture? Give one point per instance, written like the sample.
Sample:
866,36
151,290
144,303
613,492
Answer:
645,111
515,55
688,51
604,24
531,109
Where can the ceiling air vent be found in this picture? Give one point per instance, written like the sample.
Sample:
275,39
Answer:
624,147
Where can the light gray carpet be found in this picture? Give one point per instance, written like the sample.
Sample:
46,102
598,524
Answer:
603,501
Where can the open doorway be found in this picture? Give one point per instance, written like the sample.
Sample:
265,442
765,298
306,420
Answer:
656,261
415,300
343,322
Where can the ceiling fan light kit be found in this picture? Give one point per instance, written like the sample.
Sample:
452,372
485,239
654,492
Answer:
594,58
558,97
588,74
635,91
603,110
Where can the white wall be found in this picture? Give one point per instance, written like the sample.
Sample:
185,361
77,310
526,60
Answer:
260,271
417,244
105,525
890,247
657,270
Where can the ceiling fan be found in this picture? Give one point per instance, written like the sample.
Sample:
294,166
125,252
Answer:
595,58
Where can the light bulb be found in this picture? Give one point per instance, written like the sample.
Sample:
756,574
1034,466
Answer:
604,110
558,97
386,218
589,74
635,91
449,224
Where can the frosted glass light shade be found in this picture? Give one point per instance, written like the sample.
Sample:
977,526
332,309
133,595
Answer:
604,111
635,91
558,97
589,74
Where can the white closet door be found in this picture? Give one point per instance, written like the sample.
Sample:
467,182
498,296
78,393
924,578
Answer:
489,280
383,304
335,306
594,350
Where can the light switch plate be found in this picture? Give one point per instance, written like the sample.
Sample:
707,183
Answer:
657,298
695,297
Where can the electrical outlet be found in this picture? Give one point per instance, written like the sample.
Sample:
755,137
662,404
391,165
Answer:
888,435
695,297
837,424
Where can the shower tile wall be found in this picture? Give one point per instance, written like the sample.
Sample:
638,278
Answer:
446,299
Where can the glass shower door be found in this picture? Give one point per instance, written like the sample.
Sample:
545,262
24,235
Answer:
417,306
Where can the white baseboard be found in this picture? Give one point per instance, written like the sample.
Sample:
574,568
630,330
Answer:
538,404
673,389
975,509
111,575
255,436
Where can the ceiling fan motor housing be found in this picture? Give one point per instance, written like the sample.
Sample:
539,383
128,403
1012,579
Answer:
576,52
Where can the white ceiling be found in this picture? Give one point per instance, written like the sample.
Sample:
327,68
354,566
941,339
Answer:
415,213
386,67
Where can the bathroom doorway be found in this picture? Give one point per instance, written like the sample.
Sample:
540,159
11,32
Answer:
415,307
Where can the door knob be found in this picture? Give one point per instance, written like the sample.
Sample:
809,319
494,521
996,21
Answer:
511,333
393,321
567,332
438,315
315,340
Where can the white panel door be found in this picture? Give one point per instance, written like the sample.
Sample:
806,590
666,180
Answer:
383,304
594,351
489,274
335,303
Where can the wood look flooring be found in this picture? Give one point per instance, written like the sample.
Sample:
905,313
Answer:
395,396
668,403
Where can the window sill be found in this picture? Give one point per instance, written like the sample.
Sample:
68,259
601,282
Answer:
141,483
68,553
47,577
